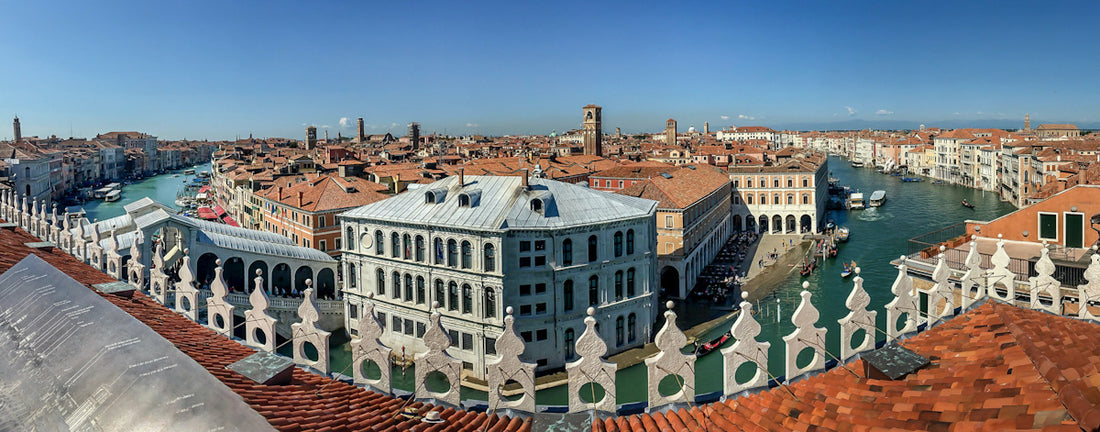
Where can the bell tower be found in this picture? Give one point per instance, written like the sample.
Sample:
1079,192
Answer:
592,132
18,130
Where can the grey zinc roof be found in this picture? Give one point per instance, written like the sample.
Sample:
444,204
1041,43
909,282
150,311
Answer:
504,204
261,247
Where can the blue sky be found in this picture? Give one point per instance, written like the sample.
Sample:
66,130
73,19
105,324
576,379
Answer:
217,69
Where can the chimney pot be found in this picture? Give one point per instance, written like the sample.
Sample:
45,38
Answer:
526,182
299,199
462,177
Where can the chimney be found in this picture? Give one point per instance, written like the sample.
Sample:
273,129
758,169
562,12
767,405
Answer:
279,193
461,177
299,199
526,182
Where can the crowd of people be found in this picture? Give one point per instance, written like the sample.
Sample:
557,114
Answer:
722,278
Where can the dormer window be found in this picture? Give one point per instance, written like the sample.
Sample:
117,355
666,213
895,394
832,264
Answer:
469,198
536,205
435,196
463,200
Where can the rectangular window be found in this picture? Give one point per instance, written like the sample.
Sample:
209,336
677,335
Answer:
408,327
540,288
490,345
668,248
540,245
541,363
1048,226
620,184
396,324
524,246
454,336
526,336
668,221
382,319
420,329
540,335
524,290
1074,229
337,242
525,261
525,310
467,341
540,308
540,260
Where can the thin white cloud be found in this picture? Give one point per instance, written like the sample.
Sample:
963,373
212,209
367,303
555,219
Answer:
326,127
851,111
345,123
979,113
957,113
883,112
745,117
725,117
471,125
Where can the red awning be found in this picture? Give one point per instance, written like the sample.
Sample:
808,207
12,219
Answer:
204,189
229,221
219,210
206,213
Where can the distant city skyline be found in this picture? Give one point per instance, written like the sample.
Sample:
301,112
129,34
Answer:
217,71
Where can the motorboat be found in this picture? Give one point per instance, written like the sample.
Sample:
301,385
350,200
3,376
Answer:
855,201
857,164
848,269
912,179
113,195
878,198
189,171
842,234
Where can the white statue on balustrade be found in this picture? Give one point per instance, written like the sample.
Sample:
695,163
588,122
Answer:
591,370
368,347
508,367
307,331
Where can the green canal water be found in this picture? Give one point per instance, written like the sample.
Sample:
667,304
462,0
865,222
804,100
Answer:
161,188
878,235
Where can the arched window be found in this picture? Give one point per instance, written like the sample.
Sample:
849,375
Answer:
776,182
748,199
776,199
420,290
790,182
467,255
763,198
490,257
351,275
790,199
805,198
629,242
593,290
467,299
536,205
408,287
570,340
379,243
351,239
567,295
439,251
805,182
619,330
452,253
618,244
736,199
407,242
380,285
631,325
748,182
619,285
592,246
490,303
630,282
567,252
439,294
395,245
452,296
419,248
396,285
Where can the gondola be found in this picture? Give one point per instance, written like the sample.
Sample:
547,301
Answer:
967,204
702,350
846,272
807,267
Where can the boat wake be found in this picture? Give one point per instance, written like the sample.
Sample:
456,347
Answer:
873,214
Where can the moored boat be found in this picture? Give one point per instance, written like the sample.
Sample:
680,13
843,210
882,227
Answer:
842,234
855,200
113,195
704,349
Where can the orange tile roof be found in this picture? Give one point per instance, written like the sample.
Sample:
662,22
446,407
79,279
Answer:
998,367
326,193
682,188
309,403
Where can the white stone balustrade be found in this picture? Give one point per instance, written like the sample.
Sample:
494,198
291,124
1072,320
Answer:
1044,283
591,369
1000,277
973,281
904,303
508,367
368,347
747,349
1091,290
159,283
805,335
95,251
307,331
219,313
187,295
55,230
113,260
436,359
80,246
941,298
858,318
670,362
134,268
259,326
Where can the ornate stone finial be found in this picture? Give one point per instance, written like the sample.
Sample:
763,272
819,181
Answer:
509,347
1000,277
972,278
135,270
308,331
904,303
65,225
368,347
747,349
219,313
858,318
942,293
259,326
158,280
1089,291
805,335
591,369
1045,283
436,359
670,361
186,293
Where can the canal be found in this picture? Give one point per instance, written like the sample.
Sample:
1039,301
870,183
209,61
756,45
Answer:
161,188
877,236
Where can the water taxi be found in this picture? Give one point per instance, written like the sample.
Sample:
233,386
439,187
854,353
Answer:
842,234
855,201
113,195
857,164
878,198
189,171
